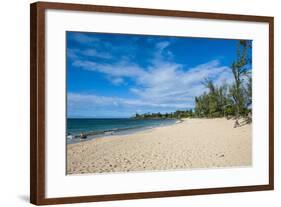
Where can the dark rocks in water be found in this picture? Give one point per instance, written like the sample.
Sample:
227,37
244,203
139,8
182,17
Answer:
76,137
83,136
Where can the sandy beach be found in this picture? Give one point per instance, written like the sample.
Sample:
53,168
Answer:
193,143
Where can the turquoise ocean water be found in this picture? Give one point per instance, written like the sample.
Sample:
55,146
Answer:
110,126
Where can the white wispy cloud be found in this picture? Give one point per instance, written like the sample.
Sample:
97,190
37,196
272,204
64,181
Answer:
77,53
84,38
117,81
162,86
169,82
92,99
119,69
161,52
95,53
162,45
83,104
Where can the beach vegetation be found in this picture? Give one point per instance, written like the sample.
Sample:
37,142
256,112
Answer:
235,99
221,99
173,115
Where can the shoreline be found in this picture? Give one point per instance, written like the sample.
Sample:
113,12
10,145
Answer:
115,132
186,144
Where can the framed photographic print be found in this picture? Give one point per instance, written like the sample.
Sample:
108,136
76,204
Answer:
130,103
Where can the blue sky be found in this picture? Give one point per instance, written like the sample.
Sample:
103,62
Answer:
114,75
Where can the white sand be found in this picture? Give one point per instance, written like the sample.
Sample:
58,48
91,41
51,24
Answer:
193,143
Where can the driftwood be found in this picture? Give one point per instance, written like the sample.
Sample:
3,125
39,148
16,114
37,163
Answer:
247,120
236,124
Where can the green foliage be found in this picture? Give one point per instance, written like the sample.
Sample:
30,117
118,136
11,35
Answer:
229,100
174,115
224,100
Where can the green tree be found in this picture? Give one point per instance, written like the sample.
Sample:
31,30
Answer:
240,70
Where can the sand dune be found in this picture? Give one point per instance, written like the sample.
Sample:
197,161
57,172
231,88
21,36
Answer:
193,143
